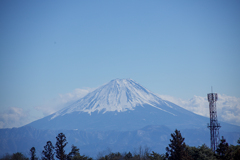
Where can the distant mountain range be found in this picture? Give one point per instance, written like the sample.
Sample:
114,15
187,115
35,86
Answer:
120,115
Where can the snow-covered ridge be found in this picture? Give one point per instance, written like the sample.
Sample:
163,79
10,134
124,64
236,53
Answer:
117,95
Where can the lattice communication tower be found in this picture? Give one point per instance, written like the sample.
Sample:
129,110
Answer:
214,126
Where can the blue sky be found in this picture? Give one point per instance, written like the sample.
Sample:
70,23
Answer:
177,48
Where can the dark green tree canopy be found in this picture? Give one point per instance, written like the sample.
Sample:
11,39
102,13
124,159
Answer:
202,152
33,153
48,152
74,152
177,148
60,145
223,151
156,156
128,156
18,156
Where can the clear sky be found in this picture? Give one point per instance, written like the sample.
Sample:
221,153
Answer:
177,48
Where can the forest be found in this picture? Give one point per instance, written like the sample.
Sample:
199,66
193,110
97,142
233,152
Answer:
176,150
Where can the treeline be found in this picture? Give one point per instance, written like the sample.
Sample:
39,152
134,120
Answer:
176,150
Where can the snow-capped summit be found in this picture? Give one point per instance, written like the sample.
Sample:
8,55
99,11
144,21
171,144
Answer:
117,95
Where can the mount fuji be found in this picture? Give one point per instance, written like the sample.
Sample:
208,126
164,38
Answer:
120,115
121,104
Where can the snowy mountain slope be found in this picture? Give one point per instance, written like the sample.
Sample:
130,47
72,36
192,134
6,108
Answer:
121,104
118,95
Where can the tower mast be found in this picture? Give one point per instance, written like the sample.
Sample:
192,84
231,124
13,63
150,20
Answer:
214,126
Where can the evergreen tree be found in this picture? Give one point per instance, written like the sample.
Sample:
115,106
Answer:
74,152
128,156
177,149
18,156
33,153
156,156
202,152
59,147
48,152
14,156
114,156
223,151
236,155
